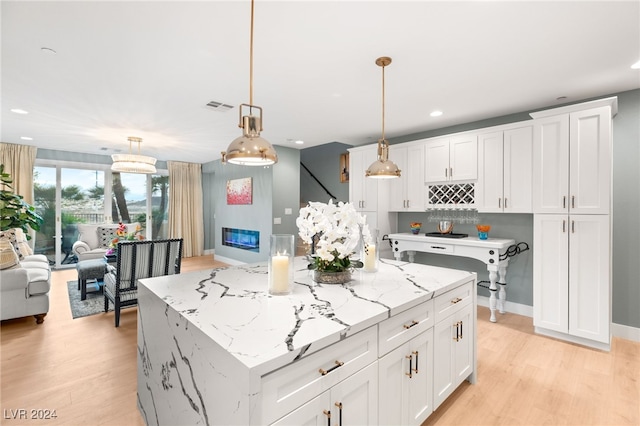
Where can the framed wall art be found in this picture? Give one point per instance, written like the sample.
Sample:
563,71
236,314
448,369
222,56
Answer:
239,191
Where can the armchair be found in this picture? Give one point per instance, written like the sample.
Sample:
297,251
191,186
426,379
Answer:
93,239
136,260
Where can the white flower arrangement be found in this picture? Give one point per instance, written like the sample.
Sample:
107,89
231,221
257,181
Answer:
335,230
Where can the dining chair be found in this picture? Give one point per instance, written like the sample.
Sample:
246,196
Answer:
136,260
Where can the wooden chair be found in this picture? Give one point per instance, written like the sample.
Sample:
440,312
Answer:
136,260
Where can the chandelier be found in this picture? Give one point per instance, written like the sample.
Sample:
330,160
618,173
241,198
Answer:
250,149
383,168
133,163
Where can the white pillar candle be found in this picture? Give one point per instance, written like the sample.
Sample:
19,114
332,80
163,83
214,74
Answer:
370,258
280,274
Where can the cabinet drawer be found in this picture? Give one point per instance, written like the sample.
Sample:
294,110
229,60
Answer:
288,388
404,326
453,300
439,248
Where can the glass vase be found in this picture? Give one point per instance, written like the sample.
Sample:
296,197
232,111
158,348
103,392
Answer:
370,253
281,252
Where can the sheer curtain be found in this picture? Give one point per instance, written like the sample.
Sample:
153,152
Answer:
186,217
18,161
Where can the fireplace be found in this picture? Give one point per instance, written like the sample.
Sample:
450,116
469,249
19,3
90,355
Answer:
241,238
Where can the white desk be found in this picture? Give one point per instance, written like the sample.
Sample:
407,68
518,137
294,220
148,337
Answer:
488,251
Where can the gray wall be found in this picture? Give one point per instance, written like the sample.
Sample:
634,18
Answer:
324,162
274,189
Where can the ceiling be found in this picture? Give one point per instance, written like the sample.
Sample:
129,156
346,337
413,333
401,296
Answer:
148,69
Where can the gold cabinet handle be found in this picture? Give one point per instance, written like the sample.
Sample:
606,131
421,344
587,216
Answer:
415,370
339,405
413,322
410,373
328,414
325,372
456,300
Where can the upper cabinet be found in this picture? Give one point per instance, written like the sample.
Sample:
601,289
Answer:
363,192
451,159
407,193
505,171
572,162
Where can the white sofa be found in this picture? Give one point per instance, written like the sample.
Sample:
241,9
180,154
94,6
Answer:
25,278
93,239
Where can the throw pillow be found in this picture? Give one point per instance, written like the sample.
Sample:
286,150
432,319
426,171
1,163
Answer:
10,235
22,242
8,256
106,235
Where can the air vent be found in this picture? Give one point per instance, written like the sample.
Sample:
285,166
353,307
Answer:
219,106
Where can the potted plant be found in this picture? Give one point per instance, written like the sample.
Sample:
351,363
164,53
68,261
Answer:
14,211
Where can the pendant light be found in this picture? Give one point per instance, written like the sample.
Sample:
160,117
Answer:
250,149
383,168
133,163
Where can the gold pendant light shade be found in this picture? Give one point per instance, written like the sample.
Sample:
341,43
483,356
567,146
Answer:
383,168
250,149
133,163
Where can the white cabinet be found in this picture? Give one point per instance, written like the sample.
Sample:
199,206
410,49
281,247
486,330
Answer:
571,269
406,382
453,341
351,402
572,225
505,171
451,159
363,192
572,162
407,193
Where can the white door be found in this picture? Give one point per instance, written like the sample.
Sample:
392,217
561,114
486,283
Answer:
313,413
518,170
393,370
420,404
443,358
414,182
370,187
490,171
397,186
463,346
551,272
436,166
356,179
589,265
463,158
354,401
551,164
590,160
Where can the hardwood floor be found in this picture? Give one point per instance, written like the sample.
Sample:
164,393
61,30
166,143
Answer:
85,370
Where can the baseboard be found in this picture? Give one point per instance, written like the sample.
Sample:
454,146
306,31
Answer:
229,261
617,330
511,307
210,251
625,332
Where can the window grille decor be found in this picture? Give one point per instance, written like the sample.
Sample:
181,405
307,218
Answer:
453,193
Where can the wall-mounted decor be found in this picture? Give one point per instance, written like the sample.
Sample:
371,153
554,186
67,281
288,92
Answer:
239,191
344,167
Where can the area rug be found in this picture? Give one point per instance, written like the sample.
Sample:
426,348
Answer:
93,304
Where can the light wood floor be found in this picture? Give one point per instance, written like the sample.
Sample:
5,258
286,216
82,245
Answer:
85,369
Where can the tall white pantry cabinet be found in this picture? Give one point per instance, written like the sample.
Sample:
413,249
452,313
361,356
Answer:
572,153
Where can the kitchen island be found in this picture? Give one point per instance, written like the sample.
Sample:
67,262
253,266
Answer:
214,347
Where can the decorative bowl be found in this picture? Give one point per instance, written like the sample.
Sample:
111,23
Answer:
415,227
445,226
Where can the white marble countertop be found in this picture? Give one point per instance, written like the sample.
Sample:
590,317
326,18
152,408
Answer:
233,307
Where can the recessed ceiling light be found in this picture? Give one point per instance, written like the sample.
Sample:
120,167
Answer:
636,66
299,142
26,138
436,113
19,111
48,50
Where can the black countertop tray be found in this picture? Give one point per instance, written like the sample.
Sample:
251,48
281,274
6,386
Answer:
450,235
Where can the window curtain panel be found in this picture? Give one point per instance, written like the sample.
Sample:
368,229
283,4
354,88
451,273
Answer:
186,216
19,161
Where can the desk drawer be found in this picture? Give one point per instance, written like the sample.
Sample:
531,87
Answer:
439,248
288,388
404,326
453,300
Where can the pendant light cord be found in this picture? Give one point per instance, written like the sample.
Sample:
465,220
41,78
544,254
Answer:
383,138
251,60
